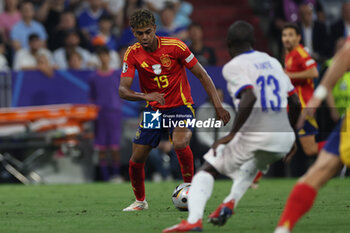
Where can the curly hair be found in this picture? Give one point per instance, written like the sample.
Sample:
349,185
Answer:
141,18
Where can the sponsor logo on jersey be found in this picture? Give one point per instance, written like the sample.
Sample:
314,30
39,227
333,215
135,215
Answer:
157,69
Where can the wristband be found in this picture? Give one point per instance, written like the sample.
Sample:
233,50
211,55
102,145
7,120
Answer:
321,92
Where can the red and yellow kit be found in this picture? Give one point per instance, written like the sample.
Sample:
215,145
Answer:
162,71
299,60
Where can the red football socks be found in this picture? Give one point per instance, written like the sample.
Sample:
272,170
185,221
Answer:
299,202
185,158
258,177
137,178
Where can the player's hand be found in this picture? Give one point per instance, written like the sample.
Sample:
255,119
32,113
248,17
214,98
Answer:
223,115
156,96
291,153
309,111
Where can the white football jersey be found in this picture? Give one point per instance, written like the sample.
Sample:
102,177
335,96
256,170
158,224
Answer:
267,127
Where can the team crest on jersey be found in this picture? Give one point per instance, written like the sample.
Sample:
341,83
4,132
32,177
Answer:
125,67
165,60
157,69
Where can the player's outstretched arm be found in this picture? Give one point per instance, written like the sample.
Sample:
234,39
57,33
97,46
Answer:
341,63
245,108
309,73
126,93
209,87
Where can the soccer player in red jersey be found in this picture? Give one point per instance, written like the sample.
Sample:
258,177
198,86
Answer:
301,69
332,157
161,63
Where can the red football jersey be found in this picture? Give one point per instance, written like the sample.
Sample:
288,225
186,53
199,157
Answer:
162,71
299,60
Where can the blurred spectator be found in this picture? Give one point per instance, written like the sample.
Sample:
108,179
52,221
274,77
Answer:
168,27
205,55
129,7
114,59
9,18
3,61
116,10
71,43
21,31
341,28
286,11
127,38
162,163
89,16
183,10
49,14
67,23
34,58
75,61
105,32
313,33
104,93
339,99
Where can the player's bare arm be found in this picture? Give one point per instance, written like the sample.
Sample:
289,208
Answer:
209,87
126,93
341,64
309,73
245,108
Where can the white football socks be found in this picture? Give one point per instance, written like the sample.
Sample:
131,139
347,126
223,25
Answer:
200,191
244,179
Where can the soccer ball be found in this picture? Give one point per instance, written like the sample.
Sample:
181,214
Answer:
180,196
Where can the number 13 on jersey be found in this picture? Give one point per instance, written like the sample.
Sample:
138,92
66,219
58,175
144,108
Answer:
269,93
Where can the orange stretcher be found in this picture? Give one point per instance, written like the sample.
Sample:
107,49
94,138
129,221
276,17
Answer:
39,131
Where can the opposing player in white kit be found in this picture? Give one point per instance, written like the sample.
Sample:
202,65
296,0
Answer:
261,134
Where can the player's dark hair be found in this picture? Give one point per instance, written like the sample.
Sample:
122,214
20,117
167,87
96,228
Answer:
24,3
195,25
70,54
292,26
142,18
105,18
240,35
102,49
33,36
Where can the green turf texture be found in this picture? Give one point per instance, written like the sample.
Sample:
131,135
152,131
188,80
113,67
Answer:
97,208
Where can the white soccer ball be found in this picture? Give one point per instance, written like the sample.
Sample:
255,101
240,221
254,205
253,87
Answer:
180,196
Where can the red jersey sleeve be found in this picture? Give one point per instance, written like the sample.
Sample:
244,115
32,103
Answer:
185,55
305,59
129,67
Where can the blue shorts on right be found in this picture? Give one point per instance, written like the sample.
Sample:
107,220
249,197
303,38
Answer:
338,142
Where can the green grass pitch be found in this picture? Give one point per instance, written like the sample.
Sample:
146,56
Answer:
97,208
